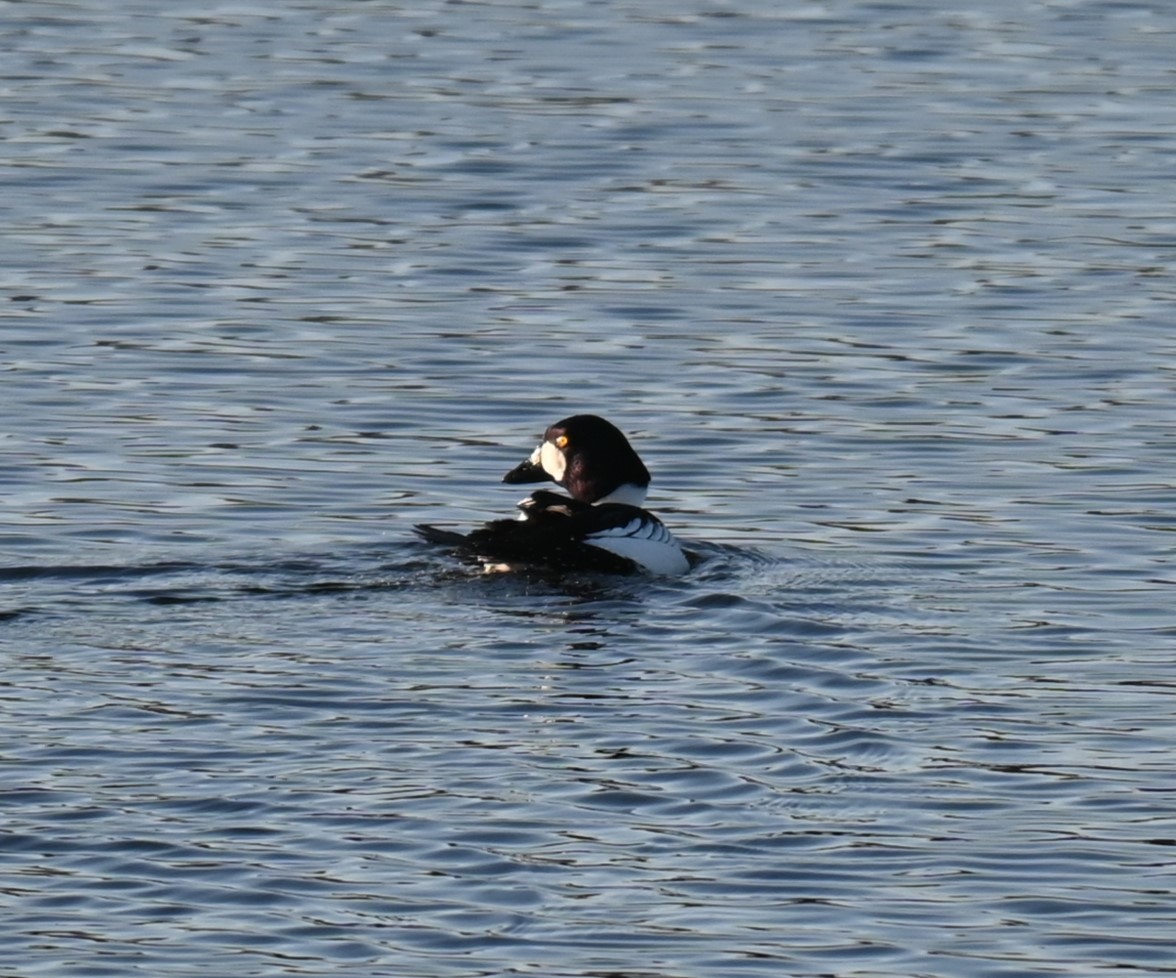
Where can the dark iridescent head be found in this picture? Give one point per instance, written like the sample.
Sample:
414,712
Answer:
589,457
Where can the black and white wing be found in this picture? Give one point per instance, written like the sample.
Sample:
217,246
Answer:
636,535
563,534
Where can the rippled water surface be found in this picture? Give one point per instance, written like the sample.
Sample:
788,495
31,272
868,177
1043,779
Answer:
883,294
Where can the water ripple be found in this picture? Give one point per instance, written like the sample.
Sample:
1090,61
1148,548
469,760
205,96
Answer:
880,293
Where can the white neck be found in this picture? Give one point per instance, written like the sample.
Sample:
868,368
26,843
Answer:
627,493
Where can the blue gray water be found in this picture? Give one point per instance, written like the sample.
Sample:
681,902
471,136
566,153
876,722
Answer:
883,294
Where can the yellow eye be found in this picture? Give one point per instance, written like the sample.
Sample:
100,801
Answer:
561,441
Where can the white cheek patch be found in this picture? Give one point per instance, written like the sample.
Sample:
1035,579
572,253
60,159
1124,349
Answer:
552,460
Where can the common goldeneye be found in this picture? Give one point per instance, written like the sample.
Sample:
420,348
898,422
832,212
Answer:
599,526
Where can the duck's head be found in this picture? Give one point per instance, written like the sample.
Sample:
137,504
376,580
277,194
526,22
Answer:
590,458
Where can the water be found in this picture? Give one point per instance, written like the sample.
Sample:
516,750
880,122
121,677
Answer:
882,294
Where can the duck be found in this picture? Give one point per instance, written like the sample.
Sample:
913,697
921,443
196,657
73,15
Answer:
600,525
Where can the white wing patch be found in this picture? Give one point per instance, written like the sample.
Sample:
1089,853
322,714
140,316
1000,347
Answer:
645,542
